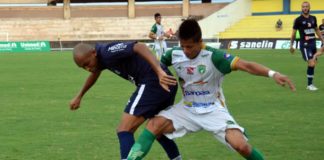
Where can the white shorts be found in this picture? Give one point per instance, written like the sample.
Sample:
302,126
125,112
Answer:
184,121
160,47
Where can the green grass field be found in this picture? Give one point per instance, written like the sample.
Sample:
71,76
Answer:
36,123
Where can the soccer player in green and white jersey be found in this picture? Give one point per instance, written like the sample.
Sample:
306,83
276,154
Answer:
158,35
201,70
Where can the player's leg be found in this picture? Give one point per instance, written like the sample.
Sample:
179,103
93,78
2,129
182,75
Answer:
155,127
307,53
170,147
228,132
125,132
158,50
172,122
238,142
154,99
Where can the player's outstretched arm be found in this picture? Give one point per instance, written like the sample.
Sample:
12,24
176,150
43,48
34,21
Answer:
165,79
75,102
260,70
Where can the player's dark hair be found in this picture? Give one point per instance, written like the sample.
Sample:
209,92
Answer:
190,29
157,15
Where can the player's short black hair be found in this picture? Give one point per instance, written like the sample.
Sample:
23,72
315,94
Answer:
157,15
190,29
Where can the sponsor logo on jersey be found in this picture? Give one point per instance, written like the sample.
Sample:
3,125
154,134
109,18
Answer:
117,47
200,82
309,37
201,69
229,122
196,93
198,104
177,55
309,31
190,70
204,55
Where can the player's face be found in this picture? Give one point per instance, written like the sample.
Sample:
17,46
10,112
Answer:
190,47
158,19
89,62
305,8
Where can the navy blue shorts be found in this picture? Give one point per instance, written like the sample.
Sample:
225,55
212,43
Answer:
149,99
307,50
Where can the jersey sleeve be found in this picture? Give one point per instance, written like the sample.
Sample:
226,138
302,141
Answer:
167,58
315,22
224,62
154,28
295,26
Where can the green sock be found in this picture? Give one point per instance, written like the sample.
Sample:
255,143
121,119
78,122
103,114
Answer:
142,146
255,155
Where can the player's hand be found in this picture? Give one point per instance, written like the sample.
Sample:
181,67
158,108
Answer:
166,81
283,80
292,50
75,103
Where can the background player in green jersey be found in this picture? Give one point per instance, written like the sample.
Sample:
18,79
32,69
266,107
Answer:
201,70
158,35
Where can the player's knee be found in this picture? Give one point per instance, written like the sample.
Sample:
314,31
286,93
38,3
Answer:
312,63
158,125
127,127
243,148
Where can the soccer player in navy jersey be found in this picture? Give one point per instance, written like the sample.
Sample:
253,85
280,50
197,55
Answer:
306,24
156,87
321,28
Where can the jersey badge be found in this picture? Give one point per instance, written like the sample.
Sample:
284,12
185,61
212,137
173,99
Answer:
201,69
227,55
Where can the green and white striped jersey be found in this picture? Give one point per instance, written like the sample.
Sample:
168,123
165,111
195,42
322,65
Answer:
201,77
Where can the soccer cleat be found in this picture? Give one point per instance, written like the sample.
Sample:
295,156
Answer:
311,87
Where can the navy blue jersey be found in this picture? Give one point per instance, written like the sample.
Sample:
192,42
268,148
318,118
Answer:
120,58
306,28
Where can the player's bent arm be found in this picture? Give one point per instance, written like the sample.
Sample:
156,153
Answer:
91,80
152,35
145,52
75,102
318,32
318,53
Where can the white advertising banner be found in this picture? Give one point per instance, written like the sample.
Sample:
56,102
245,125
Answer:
285,44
